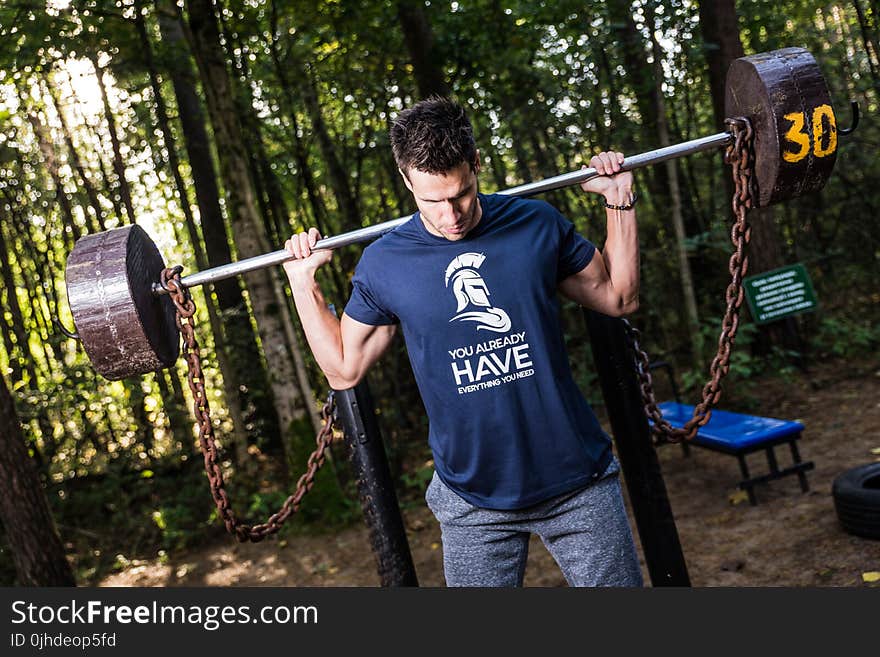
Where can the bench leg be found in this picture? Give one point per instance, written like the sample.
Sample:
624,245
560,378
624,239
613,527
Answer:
745,483
771,460
796,458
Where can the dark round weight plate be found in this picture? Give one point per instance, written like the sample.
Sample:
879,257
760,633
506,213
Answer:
785,97
125,329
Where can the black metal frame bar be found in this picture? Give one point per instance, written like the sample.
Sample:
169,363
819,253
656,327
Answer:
378,498
616,366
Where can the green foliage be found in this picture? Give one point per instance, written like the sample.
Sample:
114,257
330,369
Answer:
323,509
130,514
844,337
180,525
326,503
743,364
546,85
418,479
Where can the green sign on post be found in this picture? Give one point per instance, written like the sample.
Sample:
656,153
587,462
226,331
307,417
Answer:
779,293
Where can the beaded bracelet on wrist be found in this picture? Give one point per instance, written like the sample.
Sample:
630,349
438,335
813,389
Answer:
629,206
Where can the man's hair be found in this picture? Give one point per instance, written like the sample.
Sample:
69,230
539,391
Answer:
434,136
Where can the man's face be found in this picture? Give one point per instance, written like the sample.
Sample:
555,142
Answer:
447,201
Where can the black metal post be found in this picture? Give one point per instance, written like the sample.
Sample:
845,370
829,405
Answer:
375,486
615,364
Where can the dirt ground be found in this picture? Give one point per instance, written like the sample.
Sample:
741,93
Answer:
789,539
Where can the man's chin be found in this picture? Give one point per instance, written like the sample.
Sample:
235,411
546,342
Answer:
455,235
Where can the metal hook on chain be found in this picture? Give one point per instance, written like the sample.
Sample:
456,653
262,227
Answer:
854,107
70,334
169,274
330,404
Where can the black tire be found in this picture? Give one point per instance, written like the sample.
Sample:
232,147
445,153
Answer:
856,495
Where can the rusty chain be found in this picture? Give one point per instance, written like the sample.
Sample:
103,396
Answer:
186,309
741,156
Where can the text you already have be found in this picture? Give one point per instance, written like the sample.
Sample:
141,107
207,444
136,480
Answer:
491,363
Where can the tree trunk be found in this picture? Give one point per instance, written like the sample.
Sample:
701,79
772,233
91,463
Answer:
97,222
765,254
178,419
72,230
514,89
30,530
108,187
16,364
75,160
137,402
404,199
274,210
721,43
419,39
118,163
175,411
15,369
182,423
869,41
18,359
246,370
496,163
267,298
720,27
641,80
137,398
22,353
38,325
684,267
339,179
306,176
607,78
288,105
514,123
79,119
273,207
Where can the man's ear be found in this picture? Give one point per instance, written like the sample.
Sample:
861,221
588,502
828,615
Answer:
477,162
405,179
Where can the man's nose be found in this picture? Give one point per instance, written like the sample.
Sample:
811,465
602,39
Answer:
448,210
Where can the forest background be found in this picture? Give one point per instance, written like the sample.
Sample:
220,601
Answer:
222,127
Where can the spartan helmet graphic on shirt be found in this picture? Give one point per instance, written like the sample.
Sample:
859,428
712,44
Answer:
472,295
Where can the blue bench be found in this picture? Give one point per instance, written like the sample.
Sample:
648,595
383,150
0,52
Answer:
739,434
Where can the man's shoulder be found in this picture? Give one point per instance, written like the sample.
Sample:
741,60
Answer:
504,204
388,243
535,215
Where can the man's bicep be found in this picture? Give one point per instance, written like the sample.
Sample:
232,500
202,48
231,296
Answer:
589,286
363,344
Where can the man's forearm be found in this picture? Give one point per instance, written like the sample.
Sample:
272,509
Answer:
321,327
621,254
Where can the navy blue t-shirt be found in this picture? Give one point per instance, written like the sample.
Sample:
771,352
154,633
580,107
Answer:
508,426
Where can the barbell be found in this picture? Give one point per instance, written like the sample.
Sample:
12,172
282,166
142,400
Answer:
126,321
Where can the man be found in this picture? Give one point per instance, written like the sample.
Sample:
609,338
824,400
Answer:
472,281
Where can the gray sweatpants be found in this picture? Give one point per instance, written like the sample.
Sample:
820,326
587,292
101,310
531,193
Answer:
586,531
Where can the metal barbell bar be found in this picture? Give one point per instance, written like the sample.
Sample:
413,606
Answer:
126,322
377,230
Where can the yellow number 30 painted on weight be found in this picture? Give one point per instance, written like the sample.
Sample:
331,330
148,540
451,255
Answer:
800,139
